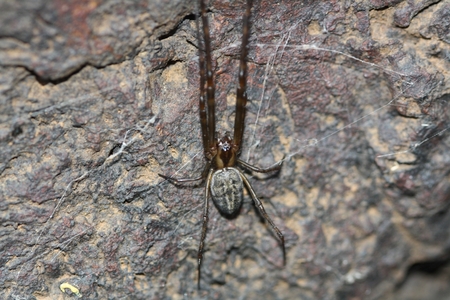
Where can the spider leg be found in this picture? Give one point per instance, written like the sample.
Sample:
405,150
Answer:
204,226
260,170
182,180
241,94
207,86
202,67
261,209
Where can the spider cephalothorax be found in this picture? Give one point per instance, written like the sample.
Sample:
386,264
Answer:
224,153
224,180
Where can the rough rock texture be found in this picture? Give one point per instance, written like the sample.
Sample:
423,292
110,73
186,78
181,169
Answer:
97,97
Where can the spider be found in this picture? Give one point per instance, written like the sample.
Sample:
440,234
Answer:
224,181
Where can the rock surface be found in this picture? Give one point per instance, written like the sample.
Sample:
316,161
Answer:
98,97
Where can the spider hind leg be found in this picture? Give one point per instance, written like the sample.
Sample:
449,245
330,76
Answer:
264,214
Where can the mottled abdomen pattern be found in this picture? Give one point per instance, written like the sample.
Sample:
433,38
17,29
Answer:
226,190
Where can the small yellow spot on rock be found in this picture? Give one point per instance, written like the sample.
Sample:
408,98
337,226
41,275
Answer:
73,289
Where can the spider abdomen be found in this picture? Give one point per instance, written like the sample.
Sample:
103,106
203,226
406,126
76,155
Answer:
226,190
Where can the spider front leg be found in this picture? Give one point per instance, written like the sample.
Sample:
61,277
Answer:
261,209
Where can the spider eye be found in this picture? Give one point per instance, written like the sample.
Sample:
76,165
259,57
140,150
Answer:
225,145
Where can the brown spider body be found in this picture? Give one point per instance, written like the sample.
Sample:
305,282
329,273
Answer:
224,181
